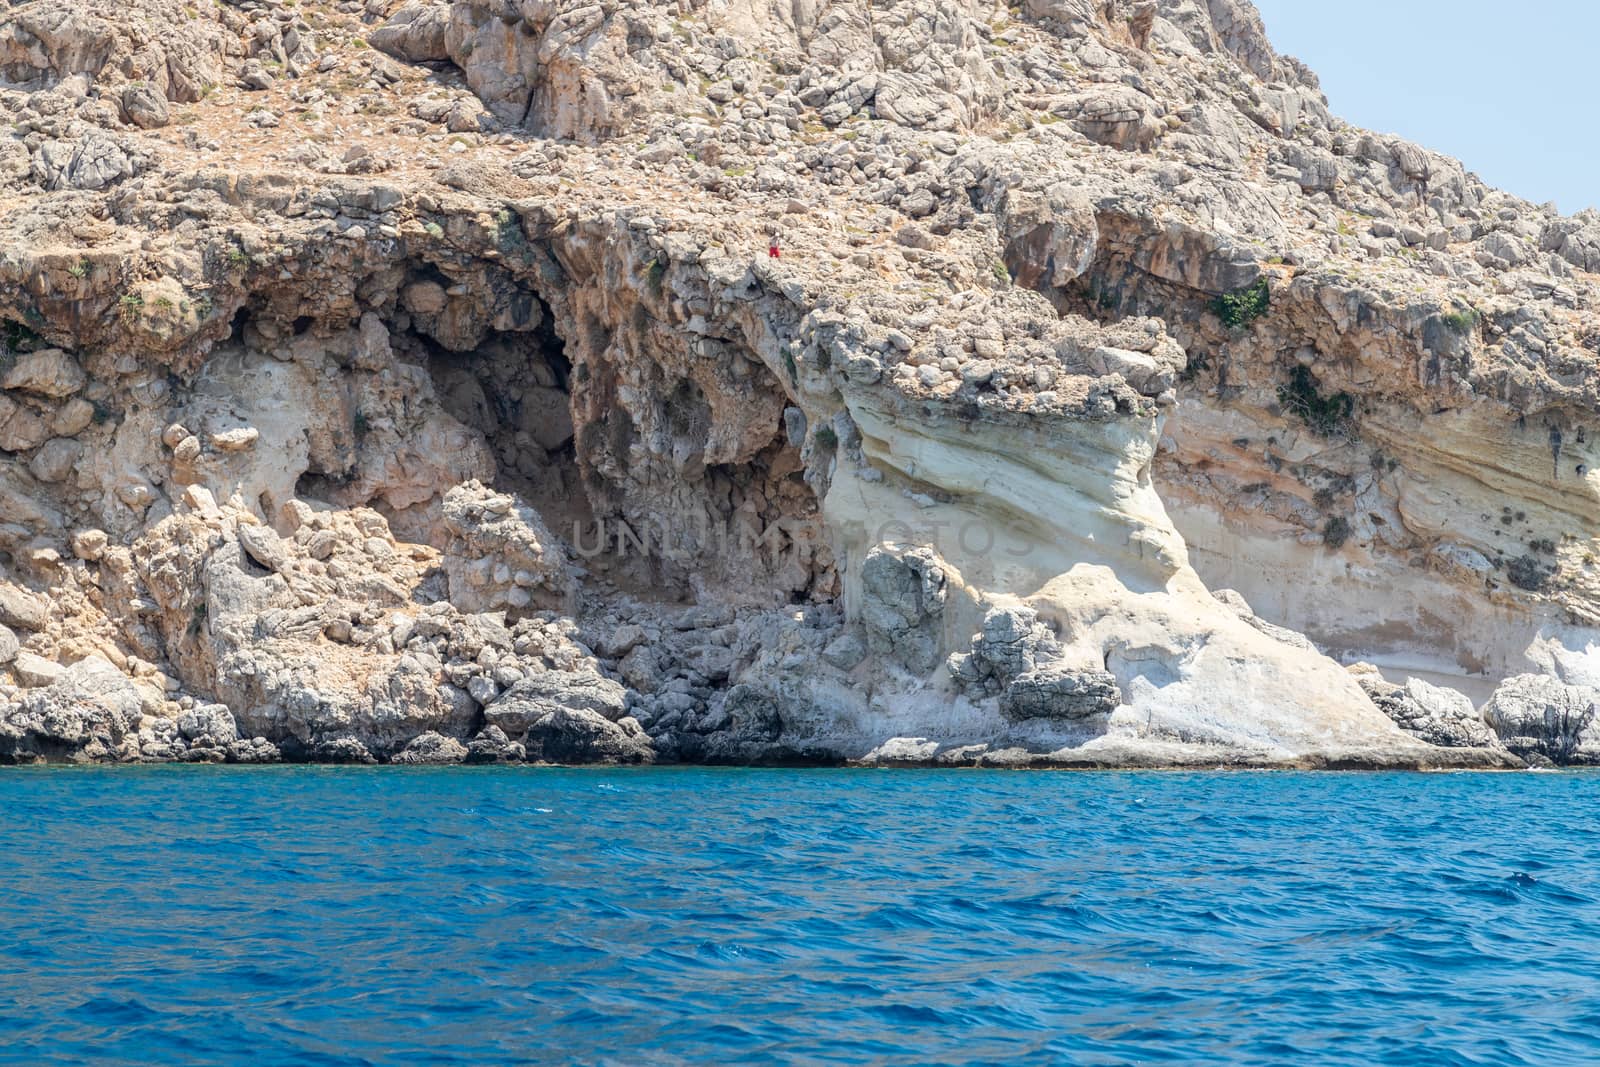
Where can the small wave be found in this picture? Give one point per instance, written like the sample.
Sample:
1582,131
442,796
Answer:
793,917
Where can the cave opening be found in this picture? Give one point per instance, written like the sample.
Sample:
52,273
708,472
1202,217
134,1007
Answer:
671,464
676,519
626,460
515,389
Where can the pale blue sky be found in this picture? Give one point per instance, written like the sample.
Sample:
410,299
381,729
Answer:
1510,89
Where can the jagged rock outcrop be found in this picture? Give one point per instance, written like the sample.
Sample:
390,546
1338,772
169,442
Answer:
87,713
1437,715
423,389
1545,720
178,49
903,600
1019,659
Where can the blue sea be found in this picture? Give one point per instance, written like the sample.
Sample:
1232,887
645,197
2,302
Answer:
312,915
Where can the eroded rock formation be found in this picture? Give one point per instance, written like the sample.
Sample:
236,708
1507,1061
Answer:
414,384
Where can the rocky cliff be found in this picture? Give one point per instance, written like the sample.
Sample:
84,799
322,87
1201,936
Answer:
417,383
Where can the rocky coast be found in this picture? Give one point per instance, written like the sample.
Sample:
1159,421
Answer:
416,383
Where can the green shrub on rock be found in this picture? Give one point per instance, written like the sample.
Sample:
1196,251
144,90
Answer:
1241,307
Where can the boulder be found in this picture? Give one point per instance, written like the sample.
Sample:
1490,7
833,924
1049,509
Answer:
536,698
49,372
21,428
845,652
415,33
1539,717
254,750
210,724
22,609
580,736
1050,236
1057,693
93,162
493,746
341,750
432,748
35,672
83,714
144,106
56,460
1431,713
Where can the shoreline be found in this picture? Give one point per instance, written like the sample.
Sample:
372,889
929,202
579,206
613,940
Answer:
1470,760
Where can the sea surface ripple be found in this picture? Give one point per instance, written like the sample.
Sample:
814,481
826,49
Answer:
331,916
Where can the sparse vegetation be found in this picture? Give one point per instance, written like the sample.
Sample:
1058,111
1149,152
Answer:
130,305
826,438
17,336
1567,725
1461,321
508,230
1336,532
1199,362
1525,572
1327,416
1240,308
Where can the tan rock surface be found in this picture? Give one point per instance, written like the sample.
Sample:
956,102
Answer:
1094,305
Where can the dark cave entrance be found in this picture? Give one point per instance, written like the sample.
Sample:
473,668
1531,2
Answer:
670,526
671,480
516,390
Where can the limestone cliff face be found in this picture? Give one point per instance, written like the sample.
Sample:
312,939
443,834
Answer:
414,383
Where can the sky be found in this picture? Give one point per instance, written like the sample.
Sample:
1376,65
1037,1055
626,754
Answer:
1507,88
